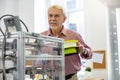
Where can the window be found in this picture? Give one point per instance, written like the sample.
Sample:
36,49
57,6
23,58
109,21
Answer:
71,4
72,26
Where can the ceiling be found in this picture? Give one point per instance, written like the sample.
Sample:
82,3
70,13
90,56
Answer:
111,3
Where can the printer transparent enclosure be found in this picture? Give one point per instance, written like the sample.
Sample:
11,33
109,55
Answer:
32,56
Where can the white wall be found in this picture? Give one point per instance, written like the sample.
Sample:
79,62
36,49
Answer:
40,15
8,7
26,13
22,8
95,28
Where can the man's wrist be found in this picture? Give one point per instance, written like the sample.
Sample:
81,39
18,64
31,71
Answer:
85,51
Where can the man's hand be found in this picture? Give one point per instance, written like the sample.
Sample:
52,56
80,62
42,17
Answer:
81,48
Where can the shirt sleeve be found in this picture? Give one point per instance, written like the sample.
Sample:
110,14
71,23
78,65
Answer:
88,51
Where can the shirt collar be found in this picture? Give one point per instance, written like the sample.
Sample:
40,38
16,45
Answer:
63,32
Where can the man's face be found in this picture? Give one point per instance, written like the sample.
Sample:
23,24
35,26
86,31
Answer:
55,18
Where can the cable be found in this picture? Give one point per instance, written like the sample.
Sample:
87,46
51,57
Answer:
24,25
4,44
19,20
2,32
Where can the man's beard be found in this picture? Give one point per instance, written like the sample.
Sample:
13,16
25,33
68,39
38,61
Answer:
54,27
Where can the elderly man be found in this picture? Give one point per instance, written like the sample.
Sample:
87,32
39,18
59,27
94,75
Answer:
56,18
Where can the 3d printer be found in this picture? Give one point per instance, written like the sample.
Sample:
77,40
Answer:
30,56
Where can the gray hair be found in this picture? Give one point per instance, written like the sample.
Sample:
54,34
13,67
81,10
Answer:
58,7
